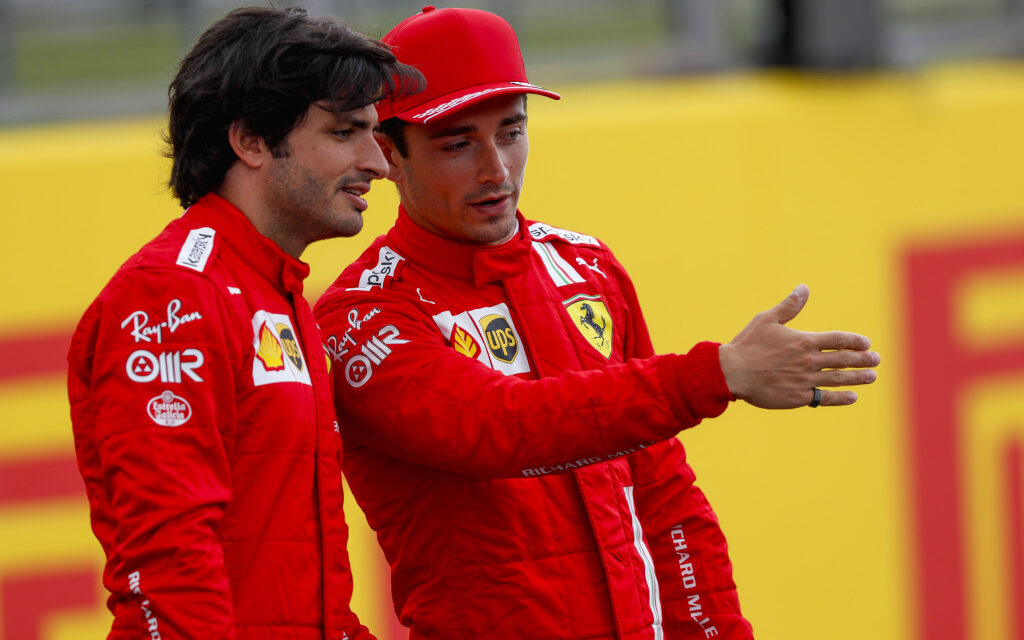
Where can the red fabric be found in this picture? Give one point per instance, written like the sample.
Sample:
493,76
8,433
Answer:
204,429
498,469
469,55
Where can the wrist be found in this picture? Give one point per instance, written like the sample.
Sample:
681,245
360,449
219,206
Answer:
730,370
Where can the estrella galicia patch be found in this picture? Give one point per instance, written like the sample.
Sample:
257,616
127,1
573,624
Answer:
501,339
591,317
169,410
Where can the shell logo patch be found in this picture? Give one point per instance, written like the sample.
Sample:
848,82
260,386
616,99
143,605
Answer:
501,339
277,355
464,343
270,351
591,317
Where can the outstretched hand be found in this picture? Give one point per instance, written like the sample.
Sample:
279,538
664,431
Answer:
774,367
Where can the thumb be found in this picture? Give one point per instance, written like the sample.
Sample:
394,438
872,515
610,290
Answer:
791,306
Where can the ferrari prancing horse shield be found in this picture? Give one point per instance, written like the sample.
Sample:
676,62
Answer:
591,317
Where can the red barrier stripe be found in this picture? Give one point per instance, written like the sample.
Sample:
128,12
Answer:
1014,461
30,601
27,480
26,355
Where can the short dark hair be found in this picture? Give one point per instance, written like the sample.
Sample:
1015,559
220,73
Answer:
394,129
264,66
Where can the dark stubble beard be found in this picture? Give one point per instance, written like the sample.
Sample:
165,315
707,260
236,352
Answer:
305,205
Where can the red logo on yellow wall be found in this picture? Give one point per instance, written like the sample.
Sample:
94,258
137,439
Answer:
966,355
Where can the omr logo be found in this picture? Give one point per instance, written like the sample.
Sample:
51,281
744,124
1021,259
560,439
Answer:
501,339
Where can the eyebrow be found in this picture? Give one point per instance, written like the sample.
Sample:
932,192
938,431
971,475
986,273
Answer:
356,123
459,131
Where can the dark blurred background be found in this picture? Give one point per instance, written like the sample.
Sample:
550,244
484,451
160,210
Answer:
70,59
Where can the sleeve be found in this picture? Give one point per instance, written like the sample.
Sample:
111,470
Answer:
687,545
402,390
163,403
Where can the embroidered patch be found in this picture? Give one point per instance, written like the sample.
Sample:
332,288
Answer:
490,326
591,317
541,231
278,355
169,410
387,266
197,248
464,343
500,337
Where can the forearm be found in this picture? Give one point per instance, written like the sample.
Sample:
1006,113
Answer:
458,415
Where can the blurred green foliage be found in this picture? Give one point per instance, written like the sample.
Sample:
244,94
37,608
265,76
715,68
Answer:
143,53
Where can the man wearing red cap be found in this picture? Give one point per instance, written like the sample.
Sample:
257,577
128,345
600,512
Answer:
508,428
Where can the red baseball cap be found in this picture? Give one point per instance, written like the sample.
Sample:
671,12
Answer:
466,55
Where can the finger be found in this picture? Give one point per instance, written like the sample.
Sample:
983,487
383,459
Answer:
791,306
846,359
841,340
837,398
843,377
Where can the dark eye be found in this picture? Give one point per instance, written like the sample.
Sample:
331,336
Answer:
455,146
343,133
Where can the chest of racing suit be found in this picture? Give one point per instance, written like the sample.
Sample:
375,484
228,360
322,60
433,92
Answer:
508,433
205,432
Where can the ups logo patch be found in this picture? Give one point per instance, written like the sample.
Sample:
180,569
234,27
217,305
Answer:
591,317
487,335
291,345
500,337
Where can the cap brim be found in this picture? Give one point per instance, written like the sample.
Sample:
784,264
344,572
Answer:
457,100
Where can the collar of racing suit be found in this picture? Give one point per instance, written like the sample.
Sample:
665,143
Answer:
258,251
480,264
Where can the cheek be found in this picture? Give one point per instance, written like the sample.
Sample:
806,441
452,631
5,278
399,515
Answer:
516,160
435,182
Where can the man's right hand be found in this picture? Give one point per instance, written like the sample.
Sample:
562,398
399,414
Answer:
774,367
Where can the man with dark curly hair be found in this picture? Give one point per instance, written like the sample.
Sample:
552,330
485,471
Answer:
200,395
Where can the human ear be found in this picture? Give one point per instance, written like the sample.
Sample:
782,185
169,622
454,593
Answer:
391,154
250,148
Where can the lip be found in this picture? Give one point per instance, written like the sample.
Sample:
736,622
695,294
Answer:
355,193
492,206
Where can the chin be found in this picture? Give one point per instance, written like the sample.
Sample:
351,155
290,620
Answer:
348,226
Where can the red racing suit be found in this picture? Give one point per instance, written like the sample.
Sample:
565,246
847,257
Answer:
204,427
509,433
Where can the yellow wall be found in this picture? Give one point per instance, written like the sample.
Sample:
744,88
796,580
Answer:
719,194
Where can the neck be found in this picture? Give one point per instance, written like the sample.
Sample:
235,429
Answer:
240,189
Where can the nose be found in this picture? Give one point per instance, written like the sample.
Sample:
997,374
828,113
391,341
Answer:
372,161
492,168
